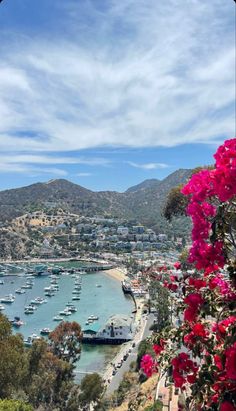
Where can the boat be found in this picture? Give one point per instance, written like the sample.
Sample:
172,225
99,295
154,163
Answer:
76,298
26,286
2,307
8,299
45,331
98,285
65,312
38,301
1,282
29,309
49,293
72,308
126,287
29,341
20,291
17,322
93,317
57,318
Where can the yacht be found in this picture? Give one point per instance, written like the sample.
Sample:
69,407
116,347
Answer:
26,286
1,282
30,309
76,298
17,322
93,318
2,307
71,308
57,318
20,291
65,312
38,301
29,341
45,331
8,299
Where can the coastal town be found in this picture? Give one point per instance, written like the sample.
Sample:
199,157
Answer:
120,329
61,234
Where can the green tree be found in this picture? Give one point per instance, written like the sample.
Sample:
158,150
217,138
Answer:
13,363
92,388
13,405
65,341
160,299
50,379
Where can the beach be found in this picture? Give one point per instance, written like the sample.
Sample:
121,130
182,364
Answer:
117,273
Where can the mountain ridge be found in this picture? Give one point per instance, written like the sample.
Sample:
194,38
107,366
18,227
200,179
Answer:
141,201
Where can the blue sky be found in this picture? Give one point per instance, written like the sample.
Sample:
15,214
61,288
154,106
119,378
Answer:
108,93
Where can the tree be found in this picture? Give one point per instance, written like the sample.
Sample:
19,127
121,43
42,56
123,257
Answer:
162,304
65,341
12,405
13,364
92,388
50,379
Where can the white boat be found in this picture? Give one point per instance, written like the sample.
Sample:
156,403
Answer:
45,331
30,309
1,282
20,291
76,298
57,318
98,285
65,312
8,299
38,301
93,318
71,308
49,293
26,286
2,307
29,341
17,322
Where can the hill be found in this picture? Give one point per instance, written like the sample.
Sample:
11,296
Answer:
151,183
143,202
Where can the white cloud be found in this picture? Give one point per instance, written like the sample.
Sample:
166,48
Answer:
30,171
49,159
167,80
148,166
84,174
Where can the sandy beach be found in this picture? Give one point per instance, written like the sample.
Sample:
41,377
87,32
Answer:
116,273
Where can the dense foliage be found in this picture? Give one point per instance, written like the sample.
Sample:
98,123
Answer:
202,350
41,375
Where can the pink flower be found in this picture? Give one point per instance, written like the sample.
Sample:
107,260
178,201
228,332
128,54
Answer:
148,365
227,406
177,265
230,362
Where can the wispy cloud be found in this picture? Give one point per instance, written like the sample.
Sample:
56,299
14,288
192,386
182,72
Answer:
148,166
31,171
83,174
164,78
49,159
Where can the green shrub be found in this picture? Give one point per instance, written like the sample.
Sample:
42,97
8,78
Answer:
12,405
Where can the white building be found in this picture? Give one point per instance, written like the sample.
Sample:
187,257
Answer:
123,230
118,326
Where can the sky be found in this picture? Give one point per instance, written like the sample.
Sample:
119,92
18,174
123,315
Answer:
109,93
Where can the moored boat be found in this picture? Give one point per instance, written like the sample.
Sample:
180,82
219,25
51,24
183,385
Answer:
45,331
17,322
8,299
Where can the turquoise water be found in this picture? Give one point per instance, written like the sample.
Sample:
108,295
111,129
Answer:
102,301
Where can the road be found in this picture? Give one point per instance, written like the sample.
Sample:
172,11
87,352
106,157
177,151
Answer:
115,380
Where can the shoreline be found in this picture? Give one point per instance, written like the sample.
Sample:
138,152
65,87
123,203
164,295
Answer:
116,273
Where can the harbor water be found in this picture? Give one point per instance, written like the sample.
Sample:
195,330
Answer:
101,295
